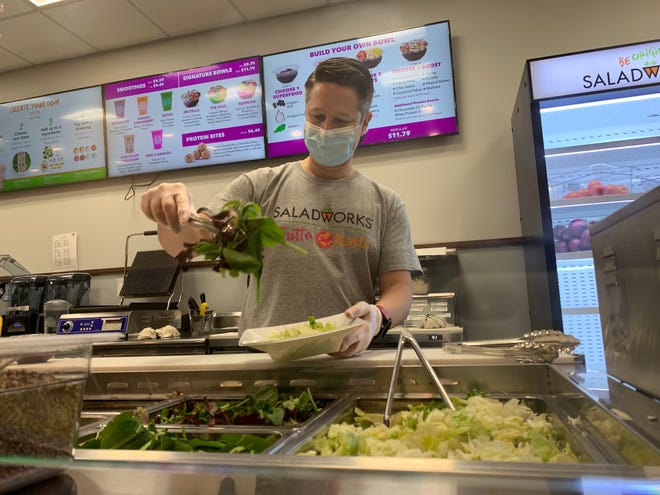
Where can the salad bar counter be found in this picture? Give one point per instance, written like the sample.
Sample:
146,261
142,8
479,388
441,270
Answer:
318,425
240,423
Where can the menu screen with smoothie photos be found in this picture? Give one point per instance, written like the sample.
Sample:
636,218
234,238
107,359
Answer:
53,139
203,116
413,81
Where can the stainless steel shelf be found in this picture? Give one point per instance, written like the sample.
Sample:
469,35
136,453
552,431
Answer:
593,200
576,255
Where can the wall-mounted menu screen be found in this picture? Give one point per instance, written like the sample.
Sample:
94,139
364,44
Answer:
53,139
414,87
204,116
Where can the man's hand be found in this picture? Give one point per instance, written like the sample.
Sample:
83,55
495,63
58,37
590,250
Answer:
359,339
169,205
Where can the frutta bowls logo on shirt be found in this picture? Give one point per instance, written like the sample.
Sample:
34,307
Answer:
344,230
640,65
324,239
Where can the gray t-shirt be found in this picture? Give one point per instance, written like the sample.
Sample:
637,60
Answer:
353,230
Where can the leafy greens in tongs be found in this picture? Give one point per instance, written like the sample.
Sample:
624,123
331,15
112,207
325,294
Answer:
408,338
538,346
240,232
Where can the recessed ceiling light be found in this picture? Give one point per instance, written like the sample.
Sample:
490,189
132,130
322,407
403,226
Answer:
41,3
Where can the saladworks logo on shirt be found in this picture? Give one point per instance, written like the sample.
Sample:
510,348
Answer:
326,219
326,215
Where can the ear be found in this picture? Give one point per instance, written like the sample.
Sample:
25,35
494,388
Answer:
365,122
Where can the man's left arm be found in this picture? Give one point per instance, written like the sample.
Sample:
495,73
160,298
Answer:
394,301
395,295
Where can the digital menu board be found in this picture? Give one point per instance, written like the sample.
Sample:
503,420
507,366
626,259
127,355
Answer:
414,87
52,139
204,116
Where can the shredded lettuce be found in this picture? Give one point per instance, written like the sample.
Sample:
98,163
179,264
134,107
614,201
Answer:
311,327
480,429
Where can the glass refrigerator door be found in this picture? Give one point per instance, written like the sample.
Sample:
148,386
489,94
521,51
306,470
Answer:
601,152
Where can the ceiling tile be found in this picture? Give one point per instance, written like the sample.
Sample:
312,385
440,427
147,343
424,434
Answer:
9,61
38,39
80,27
197,16
106,24
260,9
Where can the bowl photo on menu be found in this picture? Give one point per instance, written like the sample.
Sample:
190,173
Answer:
217,94
370,57
191,98
414,50
247,89
286,74
21,162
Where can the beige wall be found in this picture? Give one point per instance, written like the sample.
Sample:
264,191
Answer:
456,188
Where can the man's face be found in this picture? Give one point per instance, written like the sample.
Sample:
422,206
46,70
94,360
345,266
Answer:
331,106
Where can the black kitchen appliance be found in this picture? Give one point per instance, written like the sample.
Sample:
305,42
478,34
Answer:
152,276
25,300
63,291
71,287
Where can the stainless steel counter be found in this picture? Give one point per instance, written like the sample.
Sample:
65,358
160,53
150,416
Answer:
364,476
567,387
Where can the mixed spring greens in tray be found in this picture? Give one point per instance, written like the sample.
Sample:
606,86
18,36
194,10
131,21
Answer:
136,430
481,429
267,406
127,431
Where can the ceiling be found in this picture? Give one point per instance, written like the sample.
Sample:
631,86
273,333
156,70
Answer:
32,35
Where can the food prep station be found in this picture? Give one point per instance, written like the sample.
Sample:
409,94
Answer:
614,448
610,421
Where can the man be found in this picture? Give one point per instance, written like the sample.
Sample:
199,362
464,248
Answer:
355,230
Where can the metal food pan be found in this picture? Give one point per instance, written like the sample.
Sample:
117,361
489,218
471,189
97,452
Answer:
584,451
616,438
155,411
91,428
97,413
93,418
191,432
110,405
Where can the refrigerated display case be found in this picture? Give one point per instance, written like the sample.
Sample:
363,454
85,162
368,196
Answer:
586,135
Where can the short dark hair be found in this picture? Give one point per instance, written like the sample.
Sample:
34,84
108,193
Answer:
344,71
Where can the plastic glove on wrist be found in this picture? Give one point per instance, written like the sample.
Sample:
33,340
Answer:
359,339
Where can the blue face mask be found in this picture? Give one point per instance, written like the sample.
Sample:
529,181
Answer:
330,148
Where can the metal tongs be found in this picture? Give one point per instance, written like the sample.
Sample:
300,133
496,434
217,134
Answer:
538,346
203,223
407,338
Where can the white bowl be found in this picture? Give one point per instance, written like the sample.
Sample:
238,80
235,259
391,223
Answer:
300,347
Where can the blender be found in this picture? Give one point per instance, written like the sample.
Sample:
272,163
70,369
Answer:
25,299
64,291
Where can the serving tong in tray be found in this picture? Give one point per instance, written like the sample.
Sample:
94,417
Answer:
538,346
407,337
